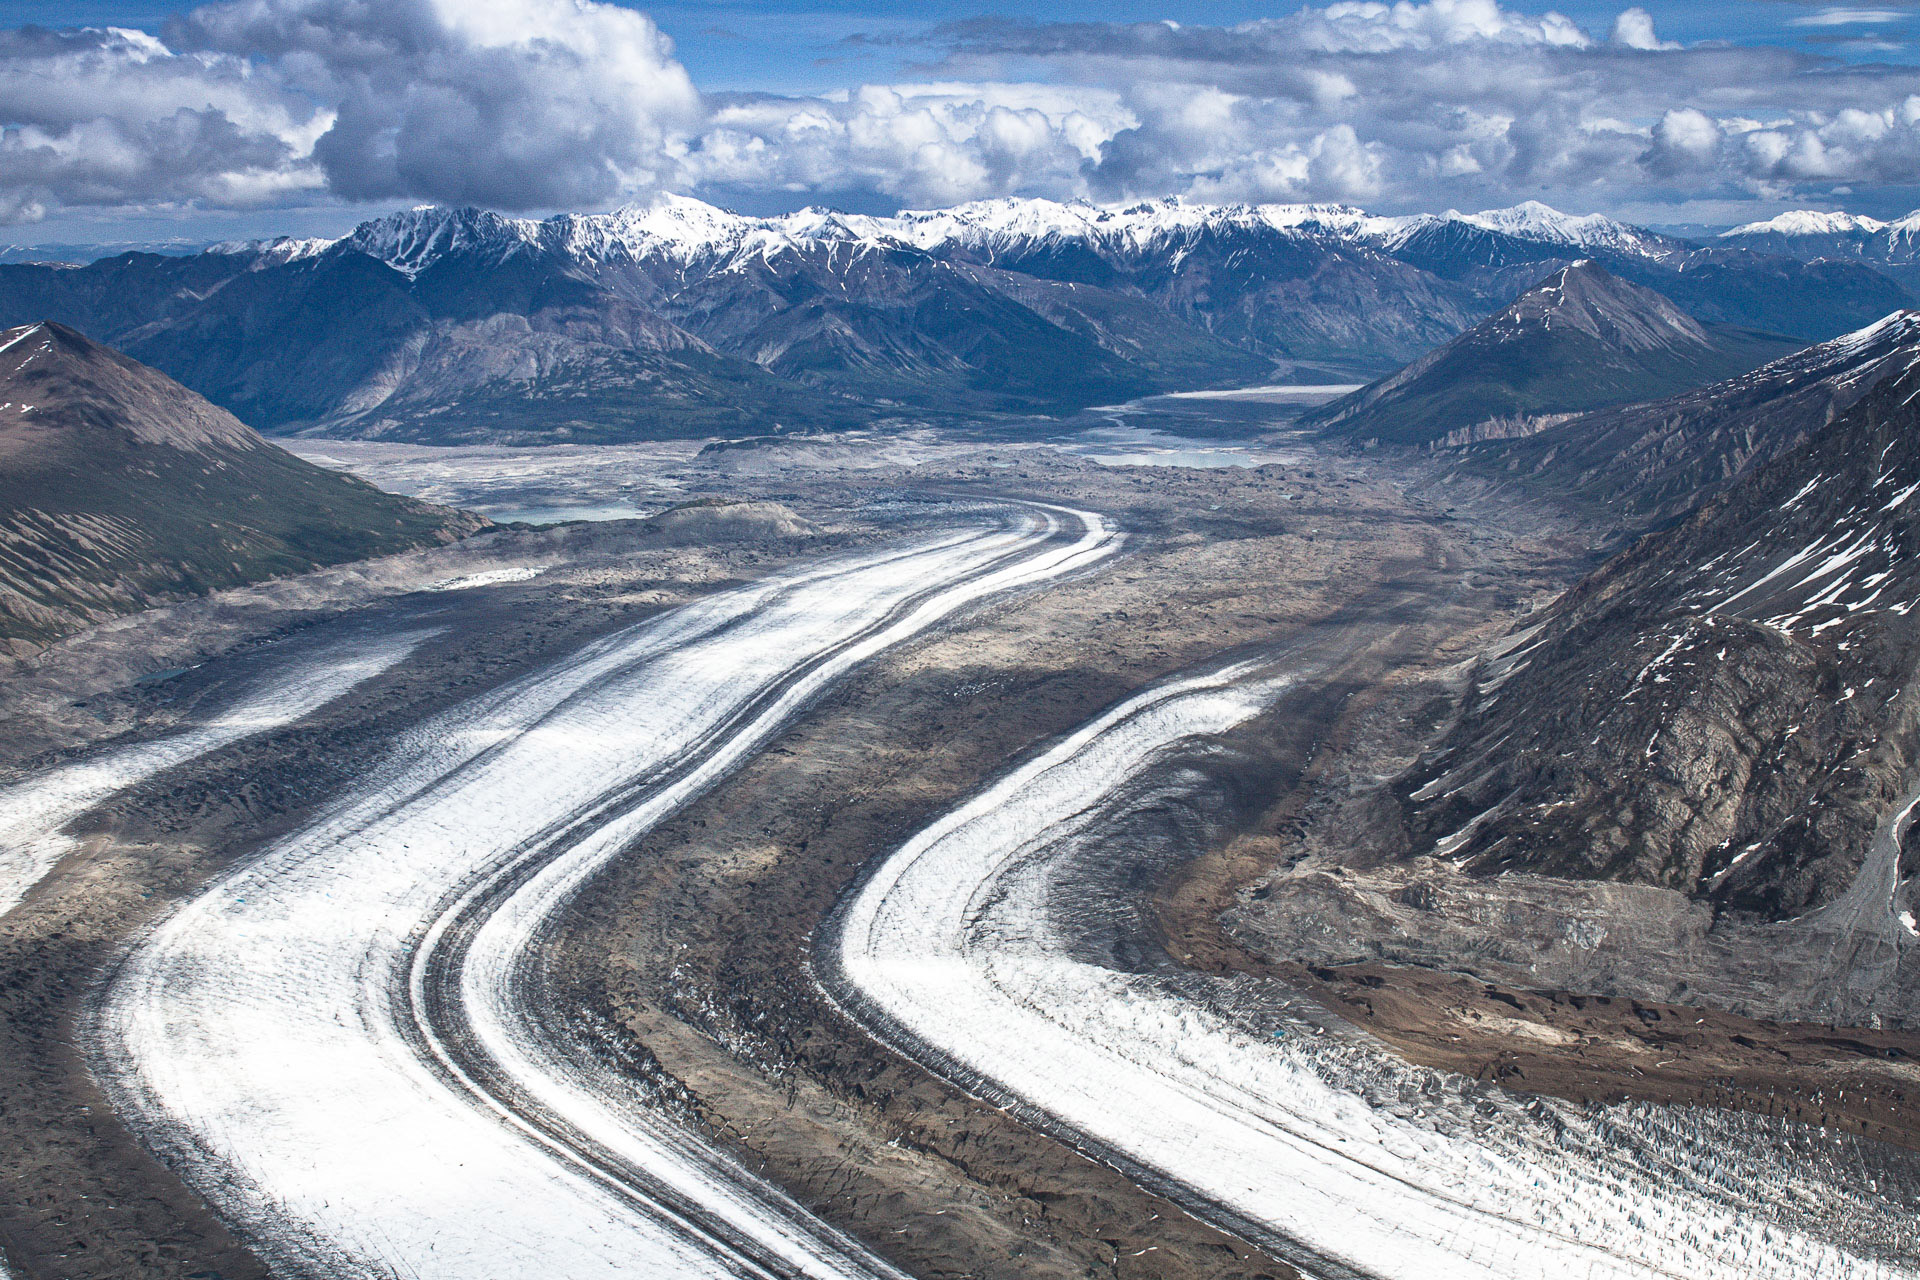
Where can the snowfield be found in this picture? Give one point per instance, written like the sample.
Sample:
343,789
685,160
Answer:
1321,1147
330,1043
34,812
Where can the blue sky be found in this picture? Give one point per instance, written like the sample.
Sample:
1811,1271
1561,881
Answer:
796,45
274,116
740,44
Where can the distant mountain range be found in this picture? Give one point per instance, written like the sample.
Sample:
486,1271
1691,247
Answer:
1724,709
1580,339
1889,247
81,254
683,319
119,488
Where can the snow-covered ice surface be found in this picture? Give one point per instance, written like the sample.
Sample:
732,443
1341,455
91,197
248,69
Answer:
328,1043
35,811
961,950
487,578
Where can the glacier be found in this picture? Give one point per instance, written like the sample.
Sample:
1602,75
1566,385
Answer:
328,1042
1295,1131
35,811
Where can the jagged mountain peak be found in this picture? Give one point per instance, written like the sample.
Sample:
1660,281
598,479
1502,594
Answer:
1580,339
677,228
676,225
1586,296
1006,218
414,239
1534,220
1530,220
274,251
1815,236
1033,220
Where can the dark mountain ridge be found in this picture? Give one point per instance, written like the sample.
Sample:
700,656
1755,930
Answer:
1640,466
1579,339
119,488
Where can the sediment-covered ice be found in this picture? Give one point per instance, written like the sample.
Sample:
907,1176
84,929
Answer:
326,1043
35,811
1322,1145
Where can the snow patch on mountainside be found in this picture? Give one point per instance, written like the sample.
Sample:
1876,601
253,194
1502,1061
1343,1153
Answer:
411,242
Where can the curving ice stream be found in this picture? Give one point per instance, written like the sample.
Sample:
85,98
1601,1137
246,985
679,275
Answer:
35,812
330,1042
965,949
348,1043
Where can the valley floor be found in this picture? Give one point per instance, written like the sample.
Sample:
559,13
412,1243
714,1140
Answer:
690,961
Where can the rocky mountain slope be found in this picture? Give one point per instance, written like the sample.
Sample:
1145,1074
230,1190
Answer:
1729,709
1640,466
120,488
1580,339
683,319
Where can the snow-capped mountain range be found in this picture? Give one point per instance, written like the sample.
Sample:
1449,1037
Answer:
680,318
1810,222
1891,247
679,228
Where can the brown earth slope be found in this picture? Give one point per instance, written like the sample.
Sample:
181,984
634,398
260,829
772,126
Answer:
120,488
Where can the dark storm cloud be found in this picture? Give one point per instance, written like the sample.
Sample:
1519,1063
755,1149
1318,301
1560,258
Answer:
110,117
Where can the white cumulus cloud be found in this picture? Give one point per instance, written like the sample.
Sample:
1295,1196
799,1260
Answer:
1633,29
510,103
537,104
